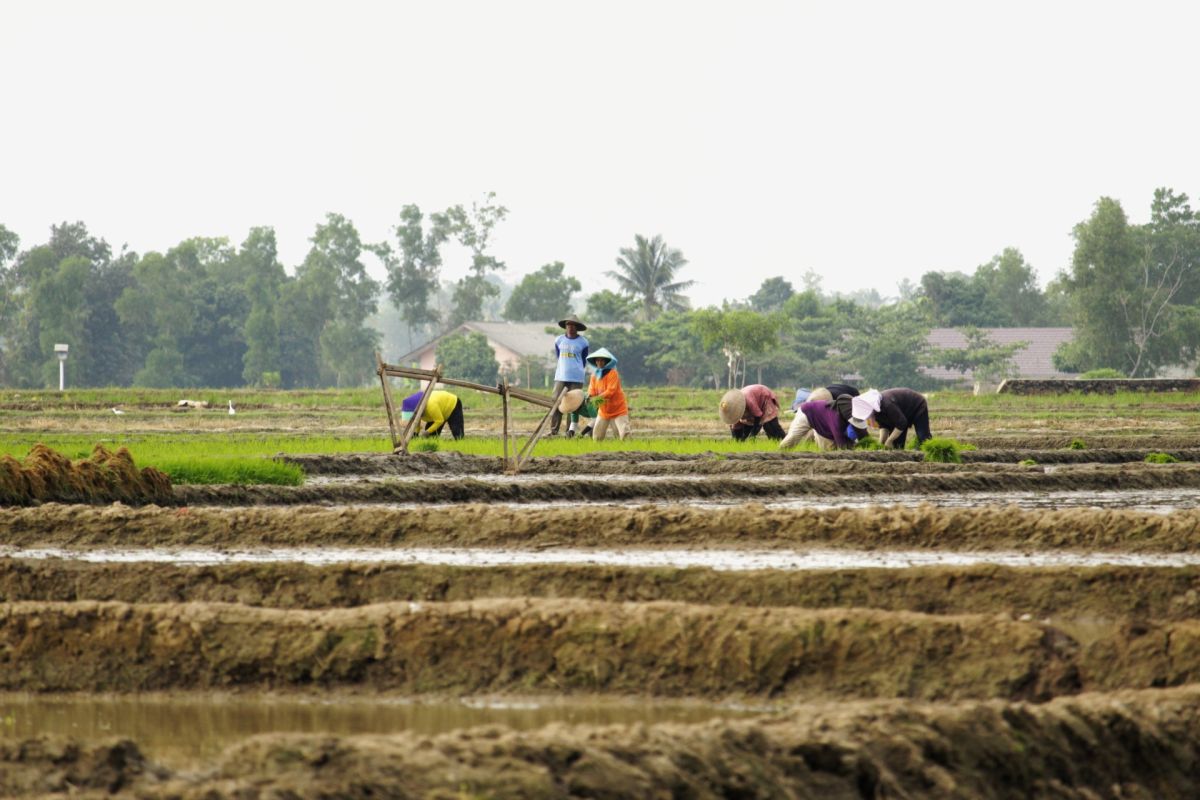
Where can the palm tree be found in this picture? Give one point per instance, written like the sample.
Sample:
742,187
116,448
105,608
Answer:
647,274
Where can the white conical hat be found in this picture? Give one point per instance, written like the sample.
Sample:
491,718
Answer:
570,401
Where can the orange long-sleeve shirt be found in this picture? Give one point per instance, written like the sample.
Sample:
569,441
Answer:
609,388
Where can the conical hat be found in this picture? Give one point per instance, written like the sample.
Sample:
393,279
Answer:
733,405
579,326
570,401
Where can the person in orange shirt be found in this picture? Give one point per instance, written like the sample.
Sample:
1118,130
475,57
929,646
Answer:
604,390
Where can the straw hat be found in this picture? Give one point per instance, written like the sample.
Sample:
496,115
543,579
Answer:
733,405
579,326
570,401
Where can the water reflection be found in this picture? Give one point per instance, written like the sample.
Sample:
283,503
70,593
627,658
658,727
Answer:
182,731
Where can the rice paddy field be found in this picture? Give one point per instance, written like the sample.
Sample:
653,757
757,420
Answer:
270,603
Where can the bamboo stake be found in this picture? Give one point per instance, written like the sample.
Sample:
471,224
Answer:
388,402
527,451
409,430
504,402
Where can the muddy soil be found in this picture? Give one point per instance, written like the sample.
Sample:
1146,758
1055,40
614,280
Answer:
532,645
750,525
647,463
1100,593
1127,745
573,490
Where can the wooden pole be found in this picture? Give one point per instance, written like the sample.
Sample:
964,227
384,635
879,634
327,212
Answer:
413,423
504,403
388,401
527,451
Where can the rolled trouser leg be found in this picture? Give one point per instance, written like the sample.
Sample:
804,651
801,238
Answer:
799,428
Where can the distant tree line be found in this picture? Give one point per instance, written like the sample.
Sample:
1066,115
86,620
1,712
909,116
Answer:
208,313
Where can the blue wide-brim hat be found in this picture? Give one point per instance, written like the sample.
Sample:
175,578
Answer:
802,396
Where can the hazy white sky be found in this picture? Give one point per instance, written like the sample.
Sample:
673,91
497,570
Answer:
866,141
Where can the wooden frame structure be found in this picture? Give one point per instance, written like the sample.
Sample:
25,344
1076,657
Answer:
432,377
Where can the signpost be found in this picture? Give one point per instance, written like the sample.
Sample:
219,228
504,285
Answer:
60,350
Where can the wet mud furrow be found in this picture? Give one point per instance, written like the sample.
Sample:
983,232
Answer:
1110,593
1126,744
662,649
574,490
635,463
750,525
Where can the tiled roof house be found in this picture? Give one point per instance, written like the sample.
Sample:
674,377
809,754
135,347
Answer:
1033,361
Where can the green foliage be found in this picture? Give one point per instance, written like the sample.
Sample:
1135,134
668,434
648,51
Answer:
473,229
424,445
542,296
646,273
887,346
1077,444
467,356
412,274
772,295
1133,287
609,306
1161,458
736,335
943,450
1027,462
1104,373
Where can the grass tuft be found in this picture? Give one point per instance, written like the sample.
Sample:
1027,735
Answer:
942,450
1161,458
234,470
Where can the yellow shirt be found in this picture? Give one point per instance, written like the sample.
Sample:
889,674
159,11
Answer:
438,409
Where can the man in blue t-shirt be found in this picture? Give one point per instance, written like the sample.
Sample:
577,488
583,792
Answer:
570,354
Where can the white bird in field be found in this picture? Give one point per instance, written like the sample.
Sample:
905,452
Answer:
231,409
117,410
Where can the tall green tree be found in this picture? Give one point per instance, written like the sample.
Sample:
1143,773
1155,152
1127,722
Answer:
1132,288
543,295
609,306
158,314
334,299
647,273
9,301
413,267
1011,290
263,277
772,294
474,230
737,334
888,346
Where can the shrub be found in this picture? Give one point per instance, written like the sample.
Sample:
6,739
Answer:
1077,444
1161,458
942,450
1103,373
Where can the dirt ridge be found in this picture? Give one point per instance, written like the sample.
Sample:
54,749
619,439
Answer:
750,525
1127,744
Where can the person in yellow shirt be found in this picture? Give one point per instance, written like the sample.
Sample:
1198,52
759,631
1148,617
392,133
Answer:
605,392
442,409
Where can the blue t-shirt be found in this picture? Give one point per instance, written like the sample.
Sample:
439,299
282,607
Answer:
571,354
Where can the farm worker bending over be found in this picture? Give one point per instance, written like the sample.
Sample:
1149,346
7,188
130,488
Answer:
800,429
605,391
443,408
900,409
570,353
821,417
750,409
